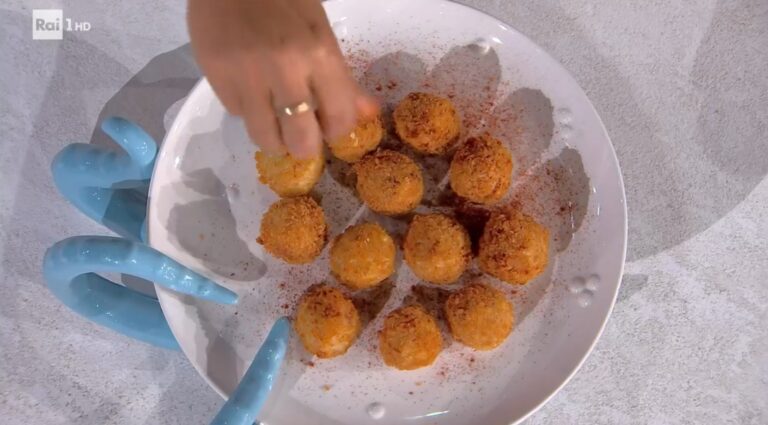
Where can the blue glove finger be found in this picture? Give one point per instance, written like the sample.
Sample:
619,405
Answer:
247,400
109,186
95,254
137,143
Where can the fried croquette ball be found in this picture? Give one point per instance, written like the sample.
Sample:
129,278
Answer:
326,321
294,230
437,248
410,338
389,182
363,256
481,170
428,123
513,247
287,176
363,139
479,316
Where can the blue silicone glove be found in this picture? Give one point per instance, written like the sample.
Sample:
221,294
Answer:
110,187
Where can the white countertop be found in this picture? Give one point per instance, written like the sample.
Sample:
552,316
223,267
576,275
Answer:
681,87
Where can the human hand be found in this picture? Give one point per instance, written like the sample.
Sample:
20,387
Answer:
265,58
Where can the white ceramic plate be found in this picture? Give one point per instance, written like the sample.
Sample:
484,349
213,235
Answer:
206,205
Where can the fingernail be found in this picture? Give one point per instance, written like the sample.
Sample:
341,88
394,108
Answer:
274,150
367,107
304,153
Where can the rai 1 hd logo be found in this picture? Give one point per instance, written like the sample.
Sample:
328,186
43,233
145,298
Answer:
50,24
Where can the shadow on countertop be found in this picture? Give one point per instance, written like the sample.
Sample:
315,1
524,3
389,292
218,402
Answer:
58,373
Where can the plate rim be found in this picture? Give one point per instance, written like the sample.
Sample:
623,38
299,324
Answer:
163,295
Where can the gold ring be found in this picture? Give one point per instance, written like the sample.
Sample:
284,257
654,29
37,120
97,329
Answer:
297,109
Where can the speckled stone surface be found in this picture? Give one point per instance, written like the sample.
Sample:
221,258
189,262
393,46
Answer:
681,85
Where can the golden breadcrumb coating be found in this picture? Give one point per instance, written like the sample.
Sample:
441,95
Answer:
326,321
294,230
437,248
479,316
389,182
513,247
289,177
410,338
365,137
363,256
481,170
428,123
